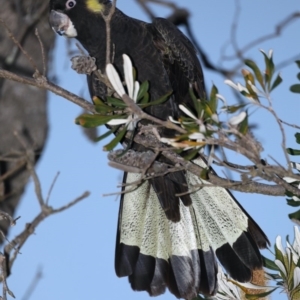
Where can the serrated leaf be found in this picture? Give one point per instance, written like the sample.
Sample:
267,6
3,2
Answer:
90,121
113,143
116,102
295,88
258,75
297,136
276,82
295,216
213,99
268,263
260,295
293,151
106,134
143,89
161,100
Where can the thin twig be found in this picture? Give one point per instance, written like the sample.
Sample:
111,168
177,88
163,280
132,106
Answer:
42,50
12,37
33,285
30,166
47,85
3,276
234,27
277,32
288,124
20,239
51,188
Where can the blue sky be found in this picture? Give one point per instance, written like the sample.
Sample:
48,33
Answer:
75,249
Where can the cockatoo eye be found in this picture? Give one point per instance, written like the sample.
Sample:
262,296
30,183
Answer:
70,4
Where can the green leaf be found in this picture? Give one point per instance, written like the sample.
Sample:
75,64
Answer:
279,255
295,88
293,203
289,194
143,90
89,121
97,101
103,109
134,74
298,76
297,136
233,108
145,99
274,276
248,76
293,151
276,82
112,144
295,216
106,134
269,68
116,102
191,154
298,63
243,126
213,99
197,102
268,263
204,174
251,64
261,295
207,110
158,101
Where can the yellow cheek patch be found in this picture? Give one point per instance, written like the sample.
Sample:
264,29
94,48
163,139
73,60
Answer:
94,6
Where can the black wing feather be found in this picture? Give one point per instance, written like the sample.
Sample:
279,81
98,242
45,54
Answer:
165,57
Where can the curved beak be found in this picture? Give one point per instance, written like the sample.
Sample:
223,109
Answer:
62,24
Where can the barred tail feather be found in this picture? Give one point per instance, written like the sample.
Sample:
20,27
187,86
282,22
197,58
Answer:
157,253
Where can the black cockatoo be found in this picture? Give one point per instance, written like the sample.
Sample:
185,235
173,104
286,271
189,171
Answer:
164,241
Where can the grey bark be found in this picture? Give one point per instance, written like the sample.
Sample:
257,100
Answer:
23,108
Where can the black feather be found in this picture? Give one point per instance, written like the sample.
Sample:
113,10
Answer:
160,279
143,273
159,241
